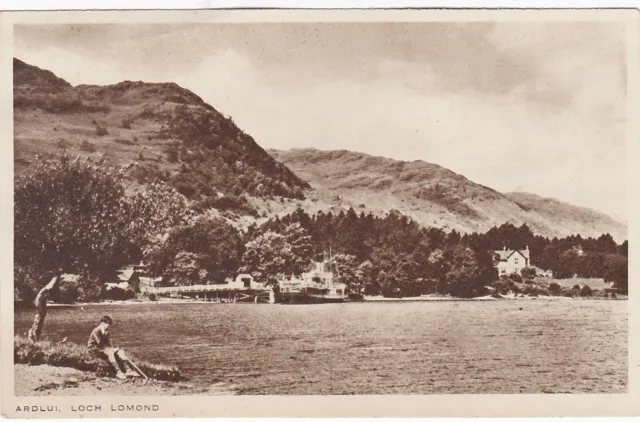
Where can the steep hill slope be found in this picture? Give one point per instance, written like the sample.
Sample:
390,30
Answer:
435,196
162,130
570,218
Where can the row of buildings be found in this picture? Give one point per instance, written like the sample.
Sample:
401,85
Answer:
506,261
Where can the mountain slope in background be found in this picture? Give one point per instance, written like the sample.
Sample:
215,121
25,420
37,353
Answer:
571,218
164,131
435,196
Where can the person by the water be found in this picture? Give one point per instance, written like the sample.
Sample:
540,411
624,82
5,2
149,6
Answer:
100,344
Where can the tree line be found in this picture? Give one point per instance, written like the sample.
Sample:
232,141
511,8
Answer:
75,217
393,255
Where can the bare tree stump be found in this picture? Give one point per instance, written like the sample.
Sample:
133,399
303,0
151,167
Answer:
41,308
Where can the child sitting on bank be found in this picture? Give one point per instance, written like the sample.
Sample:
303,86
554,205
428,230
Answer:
100,344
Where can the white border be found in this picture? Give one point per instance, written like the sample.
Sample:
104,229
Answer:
310,4
320,4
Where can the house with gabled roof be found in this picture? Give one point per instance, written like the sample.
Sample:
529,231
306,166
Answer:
509,261
135,277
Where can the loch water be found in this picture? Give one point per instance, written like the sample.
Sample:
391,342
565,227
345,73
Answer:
501,346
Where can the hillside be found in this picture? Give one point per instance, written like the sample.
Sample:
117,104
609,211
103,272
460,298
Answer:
159,130
571,218
435,196
162,131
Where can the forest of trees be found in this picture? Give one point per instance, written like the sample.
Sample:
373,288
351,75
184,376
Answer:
401,258
391,256
217,156
78,219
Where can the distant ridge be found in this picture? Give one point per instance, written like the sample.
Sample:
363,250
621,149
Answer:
436,196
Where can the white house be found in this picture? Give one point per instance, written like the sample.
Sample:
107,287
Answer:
511,261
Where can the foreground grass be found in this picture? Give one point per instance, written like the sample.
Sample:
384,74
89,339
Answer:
75,356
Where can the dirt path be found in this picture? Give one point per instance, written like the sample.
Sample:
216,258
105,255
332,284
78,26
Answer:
45,380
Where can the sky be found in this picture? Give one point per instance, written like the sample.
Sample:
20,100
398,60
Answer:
527,106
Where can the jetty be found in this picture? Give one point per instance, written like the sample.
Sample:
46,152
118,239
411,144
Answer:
243,289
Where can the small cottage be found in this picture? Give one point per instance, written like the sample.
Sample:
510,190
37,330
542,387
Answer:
511,261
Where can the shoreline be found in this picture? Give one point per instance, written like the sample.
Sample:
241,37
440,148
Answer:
47,380
369,299
483,298
130,302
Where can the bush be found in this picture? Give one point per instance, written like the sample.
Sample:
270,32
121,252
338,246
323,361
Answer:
72,355
126,123
501,286
531,291
152,297
173,156
186,189
101,131
504,286
586,291
63,144
87,146
554,288
528,272
116,293
515,277
173,153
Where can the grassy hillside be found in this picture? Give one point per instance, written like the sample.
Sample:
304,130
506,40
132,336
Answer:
435,196
160,131
568,219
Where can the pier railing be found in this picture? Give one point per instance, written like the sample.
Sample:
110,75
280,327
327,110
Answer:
199,288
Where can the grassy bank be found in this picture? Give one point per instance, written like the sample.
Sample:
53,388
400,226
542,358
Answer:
46,380
72,355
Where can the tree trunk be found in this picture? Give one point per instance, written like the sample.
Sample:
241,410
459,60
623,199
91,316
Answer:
41,308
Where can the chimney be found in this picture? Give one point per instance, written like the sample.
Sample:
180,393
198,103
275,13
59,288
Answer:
504,248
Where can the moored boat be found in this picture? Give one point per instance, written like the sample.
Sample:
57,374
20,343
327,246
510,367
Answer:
315,286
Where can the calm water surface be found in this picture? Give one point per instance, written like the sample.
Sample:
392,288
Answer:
577,346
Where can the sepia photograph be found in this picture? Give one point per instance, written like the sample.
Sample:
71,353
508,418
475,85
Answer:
311,207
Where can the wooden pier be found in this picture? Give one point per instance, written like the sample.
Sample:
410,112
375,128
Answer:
219,293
